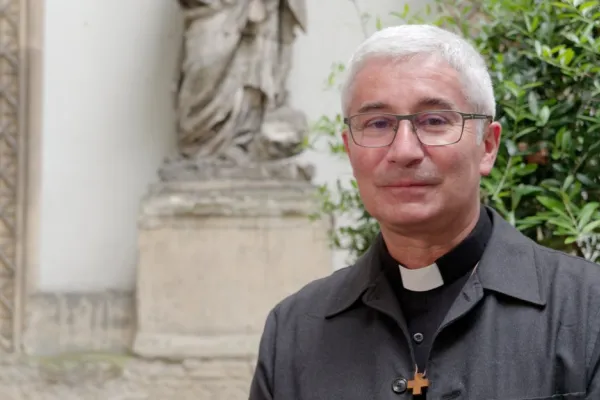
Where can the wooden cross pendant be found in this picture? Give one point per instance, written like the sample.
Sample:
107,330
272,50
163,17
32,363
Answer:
418,383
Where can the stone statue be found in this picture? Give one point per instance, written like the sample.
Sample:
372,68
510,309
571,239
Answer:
232,101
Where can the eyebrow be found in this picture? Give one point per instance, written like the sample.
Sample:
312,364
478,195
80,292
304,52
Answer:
427,102
436,102
373,106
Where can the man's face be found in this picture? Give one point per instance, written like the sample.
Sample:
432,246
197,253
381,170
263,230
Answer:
408,183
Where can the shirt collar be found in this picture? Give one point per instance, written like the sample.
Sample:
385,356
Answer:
421,279
507,266
455,264
364,274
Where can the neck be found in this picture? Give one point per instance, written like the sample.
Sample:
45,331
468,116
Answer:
420,248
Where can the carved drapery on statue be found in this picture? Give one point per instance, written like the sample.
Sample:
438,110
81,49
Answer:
232,101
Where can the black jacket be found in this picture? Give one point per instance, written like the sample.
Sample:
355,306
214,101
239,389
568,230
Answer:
525,326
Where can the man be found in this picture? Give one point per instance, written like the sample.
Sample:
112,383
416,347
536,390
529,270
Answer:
450,301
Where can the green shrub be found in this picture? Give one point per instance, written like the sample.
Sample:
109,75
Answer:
544,58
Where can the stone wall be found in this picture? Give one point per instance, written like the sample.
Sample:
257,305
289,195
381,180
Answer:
77,347
59,323
114,377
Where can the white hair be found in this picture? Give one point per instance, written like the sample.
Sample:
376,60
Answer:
401,42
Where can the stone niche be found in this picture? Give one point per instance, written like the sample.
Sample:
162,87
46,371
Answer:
215,256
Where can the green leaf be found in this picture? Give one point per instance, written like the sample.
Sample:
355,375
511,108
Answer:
528,23
526,190
567,57
589,228
563,224
593,128
535,23
584,179
532,85
544,115
586,214
559,137
525,131
546,52
568,182
513,88
510,147
561,5
535,219
571,36
511,113
527,169
574,192
538,48
551,183
533,103
586,7
566,141
550,203
378,24
520,225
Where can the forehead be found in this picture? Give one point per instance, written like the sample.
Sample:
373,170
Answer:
405,86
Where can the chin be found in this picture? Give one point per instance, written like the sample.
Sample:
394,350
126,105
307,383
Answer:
406,214
410,216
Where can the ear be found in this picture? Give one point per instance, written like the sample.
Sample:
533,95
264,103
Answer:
491,143
345,134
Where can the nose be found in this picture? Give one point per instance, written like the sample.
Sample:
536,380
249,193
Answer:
406,149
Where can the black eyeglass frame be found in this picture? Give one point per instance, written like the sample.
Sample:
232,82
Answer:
411,118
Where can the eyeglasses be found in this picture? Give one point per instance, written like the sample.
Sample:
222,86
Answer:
432,128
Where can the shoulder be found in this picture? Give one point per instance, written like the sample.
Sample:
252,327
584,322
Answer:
315,298
572,288
556,270
573,295
569,270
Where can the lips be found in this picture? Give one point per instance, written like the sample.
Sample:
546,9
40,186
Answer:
408,184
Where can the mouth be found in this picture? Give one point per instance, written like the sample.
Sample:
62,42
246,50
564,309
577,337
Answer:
408,184
409,191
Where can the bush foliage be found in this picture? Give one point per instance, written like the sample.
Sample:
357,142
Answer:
544,58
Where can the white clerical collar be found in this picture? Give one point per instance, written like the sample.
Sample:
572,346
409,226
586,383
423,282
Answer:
421,279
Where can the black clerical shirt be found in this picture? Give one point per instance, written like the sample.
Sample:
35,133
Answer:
425,311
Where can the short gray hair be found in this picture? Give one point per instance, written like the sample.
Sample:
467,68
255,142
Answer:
400,42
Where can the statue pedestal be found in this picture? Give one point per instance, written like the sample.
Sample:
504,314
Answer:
215,257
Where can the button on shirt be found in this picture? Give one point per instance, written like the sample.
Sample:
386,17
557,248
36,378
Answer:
418,337
399,385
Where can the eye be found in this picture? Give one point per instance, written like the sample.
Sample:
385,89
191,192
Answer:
432,120
379,123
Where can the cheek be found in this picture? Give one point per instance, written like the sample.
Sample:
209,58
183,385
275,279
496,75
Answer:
365,164
365,161
458,166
